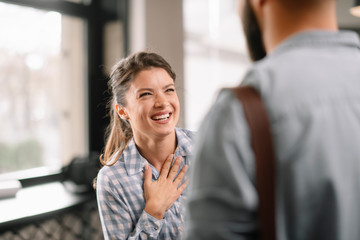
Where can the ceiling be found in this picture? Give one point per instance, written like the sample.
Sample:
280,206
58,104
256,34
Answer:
345,19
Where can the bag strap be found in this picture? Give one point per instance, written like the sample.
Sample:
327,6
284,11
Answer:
261,141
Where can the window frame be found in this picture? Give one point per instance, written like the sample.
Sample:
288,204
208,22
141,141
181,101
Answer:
96,14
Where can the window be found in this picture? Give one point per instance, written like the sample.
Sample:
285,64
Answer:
215,54
43,91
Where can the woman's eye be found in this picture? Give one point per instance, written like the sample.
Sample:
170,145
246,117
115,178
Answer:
144,94
170,90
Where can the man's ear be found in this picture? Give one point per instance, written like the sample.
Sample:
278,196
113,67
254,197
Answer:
122,112
258,9
261,2
257,4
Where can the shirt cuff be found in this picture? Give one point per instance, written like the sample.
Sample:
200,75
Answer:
149,224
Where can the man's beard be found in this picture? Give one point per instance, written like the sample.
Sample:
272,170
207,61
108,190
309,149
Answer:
252,33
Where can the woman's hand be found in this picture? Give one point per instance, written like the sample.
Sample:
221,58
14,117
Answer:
162,193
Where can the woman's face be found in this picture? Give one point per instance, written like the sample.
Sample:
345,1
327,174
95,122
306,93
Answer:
152,106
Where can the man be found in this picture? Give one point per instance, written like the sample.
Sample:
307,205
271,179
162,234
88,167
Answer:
309,81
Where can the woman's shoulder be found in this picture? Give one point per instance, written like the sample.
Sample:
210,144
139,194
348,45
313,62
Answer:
185,139
183,132
113,169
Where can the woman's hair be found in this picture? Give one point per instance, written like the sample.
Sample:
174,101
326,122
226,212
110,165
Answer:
119,132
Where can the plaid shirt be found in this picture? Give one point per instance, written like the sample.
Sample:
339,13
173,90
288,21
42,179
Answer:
120,190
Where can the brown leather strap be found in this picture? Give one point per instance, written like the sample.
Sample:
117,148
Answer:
261,142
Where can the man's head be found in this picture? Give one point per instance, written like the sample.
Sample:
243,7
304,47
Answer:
266,23
252,32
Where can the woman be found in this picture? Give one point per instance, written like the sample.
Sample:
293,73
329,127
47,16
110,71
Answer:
141,187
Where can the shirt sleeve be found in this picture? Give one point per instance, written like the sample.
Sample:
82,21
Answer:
223,199
116,218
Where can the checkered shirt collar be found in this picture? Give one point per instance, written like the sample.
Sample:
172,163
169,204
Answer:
135,163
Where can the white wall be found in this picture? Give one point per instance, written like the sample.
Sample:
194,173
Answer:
345,19
157,25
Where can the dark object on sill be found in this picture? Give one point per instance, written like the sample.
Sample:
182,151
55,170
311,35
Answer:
82,171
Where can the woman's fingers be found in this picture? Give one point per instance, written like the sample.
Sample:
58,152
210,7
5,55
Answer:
161,194
166,167
175,168
169,172
181,175
182,187
147,174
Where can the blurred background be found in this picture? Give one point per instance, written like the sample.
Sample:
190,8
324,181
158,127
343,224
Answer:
55,56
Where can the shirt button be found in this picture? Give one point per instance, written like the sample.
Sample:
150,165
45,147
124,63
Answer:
156,228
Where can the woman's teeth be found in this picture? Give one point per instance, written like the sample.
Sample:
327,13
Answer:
161,117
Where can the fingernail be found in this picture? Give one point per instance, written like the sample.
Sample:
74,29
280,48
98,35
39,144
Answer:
146,166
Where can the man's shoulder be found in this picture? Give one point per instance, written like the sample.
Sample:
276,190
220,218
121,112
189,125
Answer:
224,116
221,107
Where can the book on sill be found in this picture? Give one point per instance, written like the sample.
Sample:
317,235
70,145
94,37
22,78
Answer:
9,188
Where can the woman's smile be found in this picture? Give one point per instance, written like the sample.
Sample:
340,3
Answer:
161,117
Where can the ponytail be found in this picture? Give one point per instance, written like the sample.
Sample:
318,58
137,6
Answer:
118,134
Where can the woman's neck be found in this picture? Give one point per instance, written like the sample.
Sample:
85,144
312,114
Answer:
157,150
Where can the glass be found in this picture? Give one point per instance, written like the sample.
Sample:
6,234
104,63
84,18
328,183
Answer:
42,89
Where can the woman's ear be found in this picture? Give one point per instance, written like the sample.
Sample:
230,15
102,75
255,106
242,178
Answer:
122,112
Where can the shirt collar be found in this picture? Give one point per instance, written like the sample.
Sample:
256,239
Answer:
185,145
317,37
135,163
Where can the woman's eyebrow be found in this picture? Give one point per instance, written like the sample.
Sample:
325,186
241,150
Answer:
169,85
144,89
150,89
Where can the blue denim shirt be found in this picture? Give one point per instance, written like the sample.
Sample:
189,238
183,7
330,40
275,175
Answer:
120,190
311,88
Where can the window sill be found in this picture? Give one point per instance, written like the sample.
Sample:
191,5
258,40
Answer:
40,202
33,176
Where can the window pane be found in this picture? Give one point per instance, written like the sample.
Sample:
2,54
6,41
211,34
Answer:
215,54
42,93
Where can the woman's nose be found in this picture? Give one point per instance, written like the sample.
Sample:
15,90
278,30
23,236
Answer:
161,100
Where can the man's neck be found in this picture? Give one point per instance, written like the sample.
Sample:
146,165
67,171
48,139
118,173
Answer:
280,24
